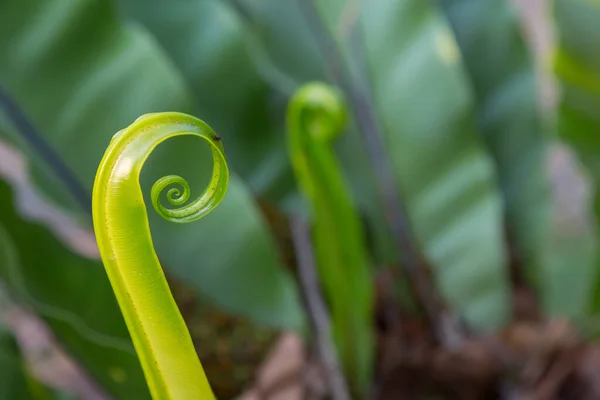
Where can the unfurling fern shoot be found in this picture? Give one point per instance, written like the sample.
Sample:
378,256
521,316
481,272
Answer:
316,116
160,336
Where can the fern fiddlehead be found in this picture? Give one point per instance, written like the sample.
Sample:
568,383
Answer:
316,116
160,336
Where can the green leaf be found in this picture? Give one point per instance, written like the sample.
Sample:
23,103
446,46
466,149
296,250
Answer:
446,177
502,74
81,75
577,65
73,296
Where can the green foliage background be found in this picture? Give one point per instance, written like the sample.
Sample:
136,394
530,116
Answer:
452,89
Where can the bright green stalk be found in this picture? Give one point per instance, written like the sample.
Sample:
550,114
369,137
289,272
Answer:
315,117
158,331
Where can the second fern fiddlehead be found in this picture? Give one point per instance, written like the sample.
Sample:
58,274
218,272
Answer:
158,331
316,115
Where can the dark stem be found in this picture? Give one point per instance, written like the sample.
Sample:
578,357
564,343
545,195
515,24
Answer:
317,310
414,264
525,305
43,149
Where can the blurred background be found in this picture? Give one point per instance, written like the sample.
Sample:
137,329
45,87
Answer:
472,155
